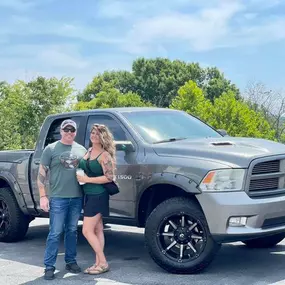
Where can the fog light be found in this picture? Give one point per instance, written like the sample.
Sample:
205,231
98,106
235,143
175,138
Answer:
237,221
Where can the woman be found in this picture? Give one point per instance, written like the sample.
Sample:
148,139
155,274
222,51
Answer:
99,166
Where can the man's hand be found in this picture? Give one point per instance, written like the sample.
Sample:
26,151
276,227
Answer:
44,203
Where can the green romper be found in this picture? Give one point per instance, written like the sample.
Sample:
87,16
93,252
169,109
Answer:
96,197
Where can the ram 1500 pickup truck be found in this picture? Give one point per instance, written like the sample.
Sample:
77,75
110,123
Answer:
188,185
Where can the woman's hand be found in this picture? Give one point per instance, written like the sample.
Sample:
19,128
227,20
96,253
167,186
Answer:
82,179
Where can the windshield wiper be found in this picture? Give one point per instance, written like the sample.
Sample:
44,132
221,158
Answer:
170,140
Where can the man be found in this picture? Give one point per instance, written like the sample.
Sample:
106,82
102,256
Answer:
64,201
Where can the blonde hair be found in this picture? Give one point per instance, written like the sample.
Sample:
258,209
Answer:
106,139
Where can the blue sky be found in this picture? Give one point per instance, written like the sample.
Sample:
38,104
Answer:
244,38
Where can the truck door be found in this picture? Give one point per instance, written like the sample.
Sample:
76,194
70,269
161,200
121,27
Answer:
122,205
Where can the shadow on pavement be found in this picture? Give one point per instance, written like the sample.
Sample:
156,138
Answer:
131,264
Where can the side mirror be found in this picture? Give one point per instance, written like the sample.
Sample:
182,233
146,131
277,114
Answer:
222,132
126,146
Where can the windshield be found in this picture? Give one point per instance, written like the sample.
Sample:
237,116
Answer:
158,126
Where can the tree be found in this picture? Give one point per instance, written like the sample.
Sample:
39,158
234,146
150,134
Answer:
24,107
110,97
216,86
226,112
158,80
11,107
3,86
238,119
192,100
121,80
271,103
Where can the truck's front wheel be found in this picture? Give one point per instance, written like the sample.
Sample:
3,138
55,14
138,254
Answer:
13,223
178,238
265,242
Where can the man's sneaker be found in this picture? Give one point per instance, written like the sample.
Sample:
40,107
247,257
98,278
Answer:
73,267
49,274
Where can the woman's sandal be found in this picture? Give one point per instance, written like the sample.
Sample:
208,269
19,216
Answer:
99,270
87,270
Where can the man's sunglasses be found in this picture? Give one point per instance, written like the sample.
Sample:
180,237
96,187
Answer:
66,130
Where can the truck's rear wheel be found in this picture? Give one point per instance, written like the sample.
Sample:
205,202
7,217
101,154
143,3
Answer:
178,238
265,242
13,223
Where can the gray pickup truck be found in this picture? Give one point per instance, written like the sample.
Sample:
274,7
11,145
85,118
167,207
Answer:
191,187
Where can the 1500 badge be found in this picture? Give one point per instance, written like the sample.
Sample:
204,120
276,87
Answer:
121,176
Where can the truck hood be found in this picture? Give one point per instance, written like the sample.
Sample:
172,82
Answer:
15,156
234,152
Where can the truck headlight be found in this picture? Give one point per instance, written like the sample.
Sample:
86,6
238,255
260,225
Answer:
223,180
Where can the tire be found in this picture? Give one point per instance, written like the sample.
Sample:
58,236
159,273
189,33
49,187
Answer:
157,240
265,242
13,223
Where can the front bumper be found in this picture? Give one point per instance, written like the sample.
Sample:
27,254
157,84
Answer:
264,216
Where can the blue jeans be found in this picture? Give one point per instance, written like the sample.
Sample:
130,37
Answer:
64,217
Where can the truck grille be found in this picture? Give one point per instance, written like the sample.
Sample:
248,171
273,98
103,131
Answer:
267,179
264,184
266,167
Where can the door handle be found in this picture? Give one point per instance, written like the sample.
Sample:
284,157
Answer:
139,176
37,161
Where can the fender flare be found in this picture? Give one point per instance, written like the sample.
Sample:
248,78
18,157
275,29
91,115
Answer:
13,184
185,183
175,179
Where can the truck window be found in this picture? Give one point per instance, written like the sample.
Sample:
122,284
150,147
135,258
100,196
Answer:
113,125
166,124
54,130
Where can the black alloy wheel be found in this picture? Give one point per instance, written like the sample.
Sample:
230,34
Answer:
181,237
13,222
177,236
4,218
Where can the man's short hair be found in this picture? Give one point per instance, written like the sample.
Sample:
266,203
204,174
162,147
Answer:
68,122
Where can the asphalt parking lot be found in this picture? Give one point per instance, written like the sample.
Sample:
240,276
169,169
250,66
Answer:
21,263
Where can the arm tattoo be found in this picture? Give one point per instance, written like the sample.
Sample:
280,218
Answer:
42,175
108,167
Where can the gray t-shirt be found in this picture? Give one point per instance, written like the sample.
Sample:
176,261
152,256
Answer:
62,161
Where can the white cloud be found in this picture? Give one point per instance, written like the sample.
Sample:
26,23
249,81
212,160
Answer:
82,32
200,31
129,9
50,56
28,61
58,57
268,31
138,27
152,25
19,5
264,4
23,5
24,26
225,24
115,9
250,16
